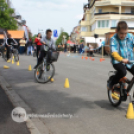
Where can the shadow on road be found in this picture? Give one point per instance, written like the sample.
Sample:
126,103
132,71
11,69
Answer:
105,104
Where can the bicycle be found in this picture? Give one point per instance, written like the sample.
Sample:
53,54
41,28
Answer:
13,52
45,71
120,91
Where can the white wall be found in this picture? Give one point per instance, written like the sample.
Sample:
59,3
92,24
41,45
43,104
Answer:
130,23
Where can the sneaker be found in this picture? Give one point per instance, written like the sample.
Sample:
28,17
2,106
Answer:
35,66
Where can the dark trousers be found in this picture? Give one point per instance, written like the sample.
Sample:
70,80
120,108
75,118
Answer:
121,72
37,50
8,51
43,54
99,50
25,48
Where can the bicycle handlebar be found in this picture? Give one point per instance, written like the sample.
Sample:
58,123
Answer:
131,62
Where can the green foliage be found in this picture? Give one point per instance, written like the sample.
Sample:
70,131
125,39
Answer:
59,40
33,38
6,19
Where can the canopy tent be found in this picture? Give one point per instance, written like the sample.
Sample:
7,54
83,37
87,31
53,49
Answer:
93,40
70,43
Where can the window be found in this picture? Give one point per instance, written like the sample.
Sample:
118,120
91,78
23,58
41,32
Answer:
93,27
84,29
103,23
100,10
107,23
114,23
99,23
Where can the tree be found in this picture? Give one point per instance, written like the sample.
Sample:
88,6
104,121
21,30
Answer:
33,38
59,40
6,19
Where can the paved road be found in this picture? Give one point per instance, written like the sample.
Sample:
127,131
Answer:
7,125
86,100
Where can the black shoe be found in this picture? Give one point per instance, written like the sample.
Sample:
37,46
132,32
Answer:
35,66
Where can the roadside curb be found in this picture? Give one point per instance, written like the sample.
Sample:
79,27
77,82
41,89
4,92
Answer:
16,101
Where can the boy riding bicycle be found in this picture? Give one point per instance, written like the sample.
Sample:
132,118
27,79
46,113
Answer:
9,41
121,45
46,40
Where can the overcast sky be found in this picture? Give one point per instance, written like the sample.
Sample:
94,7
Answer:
54,14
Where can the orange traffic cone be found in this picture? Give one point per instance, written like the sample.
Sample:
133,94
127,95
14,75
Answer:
86,58
100,60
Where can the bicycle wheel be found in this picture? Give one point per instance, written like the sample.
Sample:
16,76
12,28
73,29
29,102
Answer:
16,58
115,96
44,75
16,55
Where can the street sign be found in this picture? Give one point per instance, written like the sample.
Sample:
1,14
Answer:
55,33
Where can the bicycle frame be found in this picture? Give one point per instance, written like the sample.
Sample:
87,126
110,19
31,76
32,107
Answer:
129,89
45,62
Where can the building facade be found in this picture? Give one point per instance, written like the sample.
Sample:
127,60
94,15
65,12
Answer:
102,16
75,34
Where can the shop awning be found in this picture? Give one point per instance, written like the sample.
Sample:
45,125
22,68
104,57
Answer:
70,43
14,34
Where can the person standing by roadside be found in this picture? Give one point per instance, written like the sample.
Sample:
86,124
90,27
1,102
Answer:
65,47
68,47
91,50
22,45
74,48
38,44
81,47
99,46
26,46
29,47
